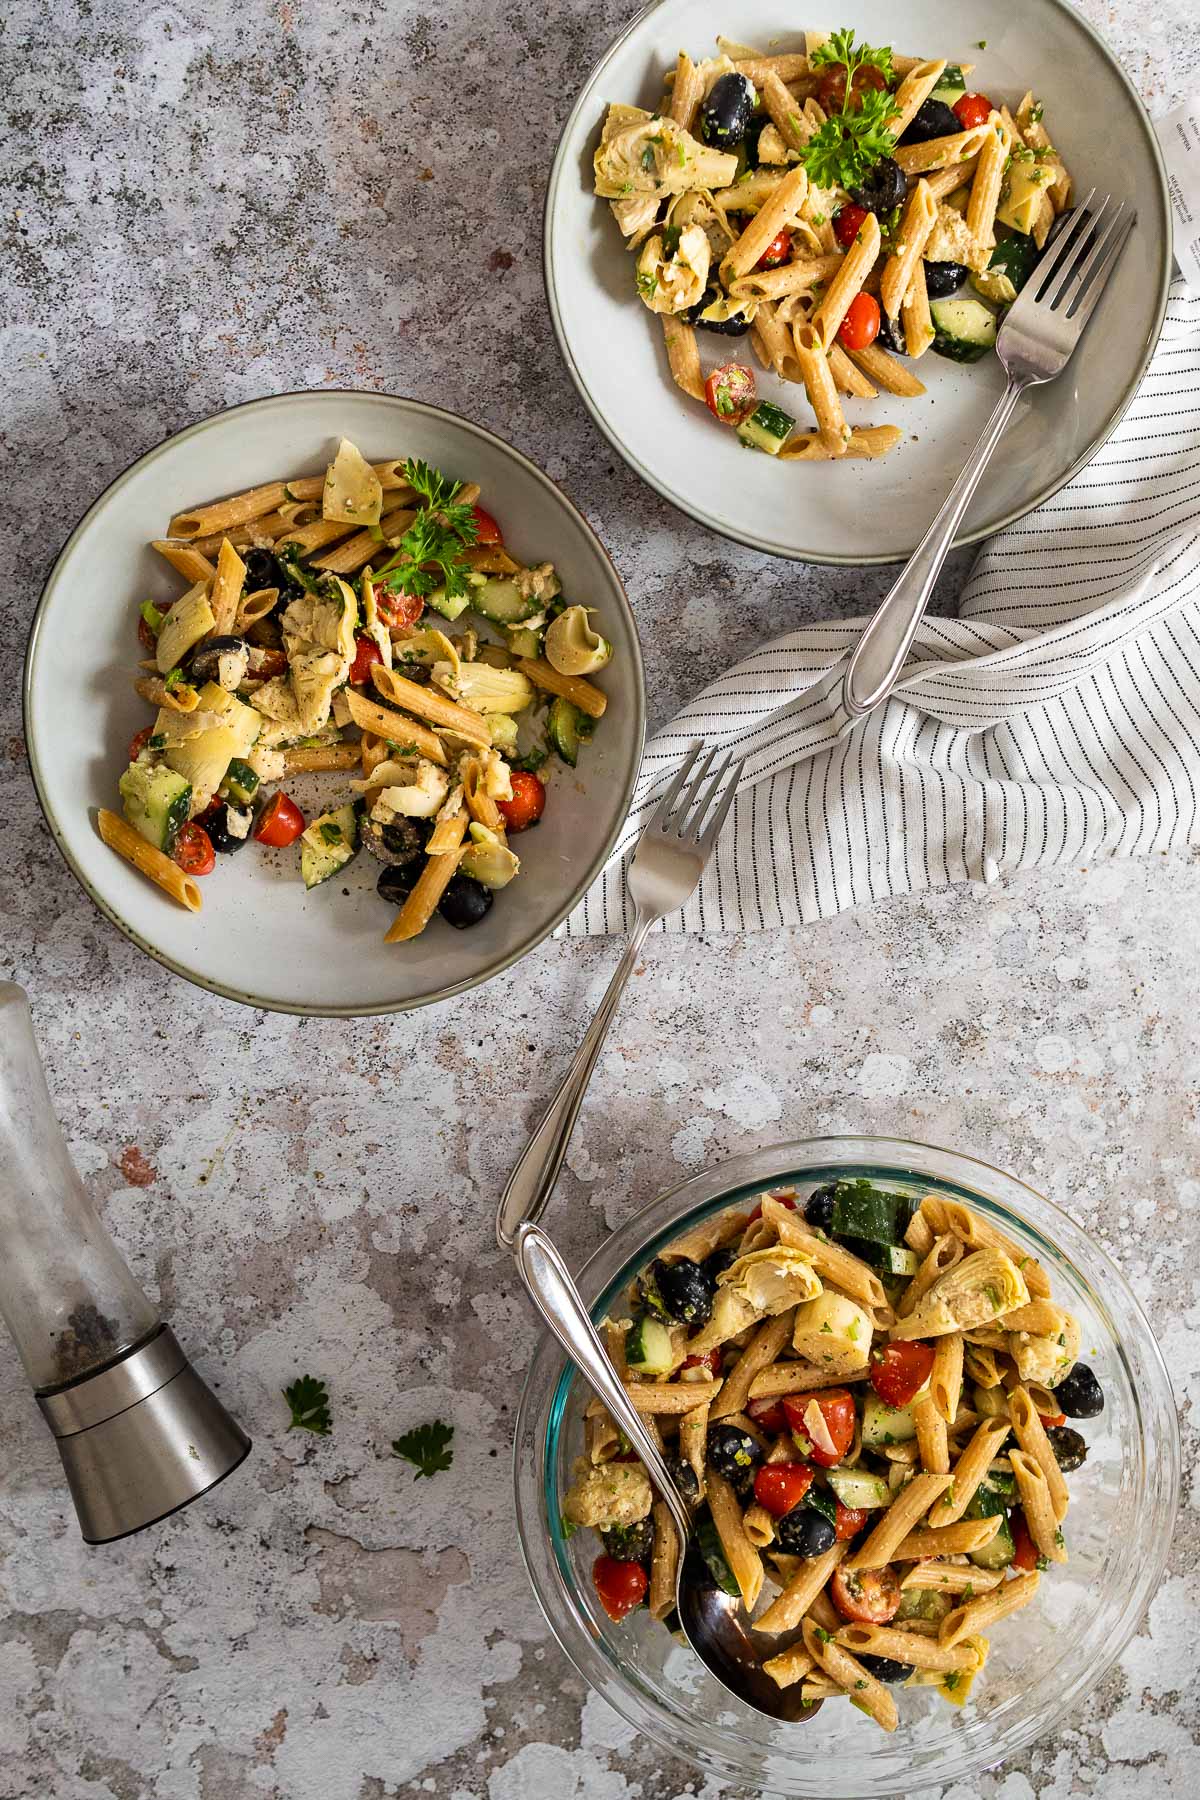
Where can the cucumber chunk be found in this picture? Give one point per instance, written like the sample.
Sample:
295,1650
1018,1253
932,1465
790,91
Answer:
952,85
449,608
648,1347
883,1424
858,1487
999,1553
887,1259
240,783
155,802
965,329
863,1211
768,428
986,1502
1010,267
567,728
503,603
328,844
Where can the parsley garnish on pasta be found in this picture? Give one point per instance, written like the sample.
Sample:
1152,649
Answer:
851,141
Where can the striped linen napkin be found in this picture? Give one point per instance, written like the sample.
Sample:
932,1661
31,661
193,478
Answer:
1057,719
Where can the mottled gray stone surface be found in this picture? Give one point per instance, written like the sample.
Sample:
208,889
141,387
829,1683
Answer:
206,204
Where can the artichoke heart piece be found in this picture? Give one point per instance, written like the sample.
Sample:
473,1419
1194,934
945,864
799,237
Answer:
488,860
656,156
635,216
771,1280
672,268
322,621
607,1494
1047,1357
353,493
975,1292
572,647
697,207
485,689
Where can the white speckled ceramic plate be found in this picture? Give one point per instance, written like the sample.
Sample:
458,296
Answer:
260,937
862,512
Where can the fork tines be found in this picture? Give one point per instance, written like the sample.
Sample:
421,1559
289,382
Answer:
694,818
1079,260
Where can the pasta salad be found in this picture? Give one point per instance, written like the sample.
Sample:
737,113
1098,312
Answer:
315,639
865,1401
845,207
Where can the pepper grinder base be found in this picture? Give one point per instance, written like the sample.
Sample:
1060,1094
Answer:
140,1439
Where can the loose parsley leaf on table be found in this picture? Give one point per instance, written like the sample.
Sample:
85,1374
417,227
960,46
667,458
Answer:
430,553
851,141
309,1401
427,1447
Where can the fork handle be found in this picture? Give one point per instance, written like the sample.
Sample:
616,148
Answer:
537,1168
879,656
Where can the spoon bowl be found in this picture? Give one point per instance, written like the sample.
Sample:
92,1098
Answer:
729,1647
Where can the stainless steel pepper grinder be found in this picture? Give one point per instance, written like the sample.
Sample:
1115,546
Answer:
139,1433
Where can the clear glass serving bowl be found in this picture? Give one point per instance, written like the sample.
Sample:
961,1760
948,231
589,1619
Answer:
1042,1662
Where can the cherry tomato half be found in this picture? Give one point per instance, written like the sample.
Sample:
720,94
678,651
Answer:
528,801
366,653
900,1371
869,1596
193,850
1049,1420
1025,1554
281,822
776,252
768,1415
730,394
849,1521
972,110
620,1586
837,1410
860,327
398,610
710,1362
831,89
139,740
780,1486
848,223
486,529
146,637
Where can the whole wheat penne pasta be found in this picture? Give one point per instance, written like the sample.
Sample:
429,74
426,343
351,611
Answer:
912,94
978,1233
614,1343
253,607
601,1435
797,277
321,534
393,728
920,1234
887,372
390,473
947,181
947,1540
981,1365
824,1613
868,1694
431,884
847,378
985,186
779,210
819,1686
687,92
801,1589
945,1381
1038,1506
709,1235
693,1433
985,1610
987,1337
762,1350
1042,1317
952,1578
915,315
363,547
968,1472
947,1251
219,515
932,1442
790,1666
428,703
793,66
759,1525
819,385
745,1563
798,1377
189,562
320,758
181,698
831,1261
672,1396
574,688
865,442
911,1503
857,264
942,152
1030,1434
227,588
913,1647
480,804
772,342
683,355
664,1560
783,110
120,836
916,223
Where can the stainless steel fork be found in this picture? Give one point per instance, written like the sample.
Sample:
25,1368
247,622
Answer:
1035,341
667,864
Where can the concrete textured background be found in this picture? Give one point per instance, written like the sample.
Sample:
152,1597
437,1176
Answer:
203,204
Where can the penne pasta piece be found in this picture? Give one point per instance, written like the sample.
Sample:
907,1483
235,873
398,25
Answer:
865,441
693,1435
915,315
320,758
847,378
981,1366
797,277
253,607
672,1396
764,1347
421,904
1041,1317
391,476
580,693
773,342
493,559
226,589
790,1666
946,1254
430,704
945,1381
951,1578
1030,1434
831,1261
319,535
783,111
969,1471
797,1377
120,836
779,210
916,223
687,92
480,804
985,186
944,182
792,67
683,355
868,1694
978,1233
912,1647
186,559
940,153
947,1540
987,1609
1038,1506
882,1546
802,1588
181,698
710,1234
745,1563
219,515
932,1443
824,1613
759,1525
832,430
887,372
602,1437
857,264
355,552
392,728
911,95
920,1234
664,1561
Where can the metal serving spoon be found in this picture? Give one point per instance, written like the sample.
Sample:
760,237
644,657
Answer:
712,1620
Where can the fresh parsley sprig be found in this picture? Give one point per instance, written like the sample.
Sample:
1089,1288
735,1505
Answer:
430,553
427,1447
309,1400
852,141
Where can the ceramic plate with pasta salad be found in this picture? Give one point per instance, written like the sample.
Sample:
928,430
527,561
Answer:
801,241
873,1403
